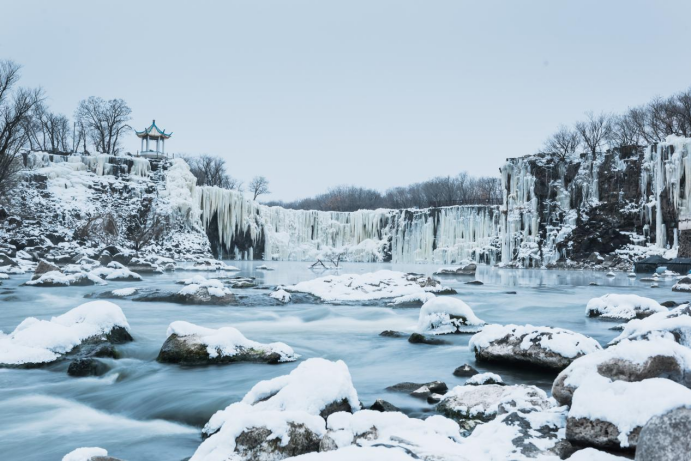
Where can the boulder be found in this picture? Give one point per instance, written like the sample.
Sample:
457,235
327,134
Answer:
474,283
622,306
629,361
487,378
673,325
42,268
191,345
542,347
381,405
260,443
482,403
683,285
465,371
393,334
87,367
464,270
666,437
610,415
447,315
420,390
419,338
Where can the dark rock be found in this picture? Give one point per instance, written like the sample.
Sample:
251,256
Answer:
407,387
42,268
418,338
87,367
6,260
257,443
465,371
474,283
201,297
336,406
669,304
384,406
665,437
392,333
598,433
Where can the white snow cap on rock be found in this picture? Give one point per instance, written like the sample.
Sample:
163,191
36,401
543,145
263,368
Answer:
421,297
484,378
622,306
673,325
447,315
589,454
213,286
561,341
281,295
361,287
85,454
58,278
227,341
627,405
38,341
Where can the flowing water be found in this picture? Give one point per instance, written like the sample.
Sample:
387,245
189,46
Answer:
145,410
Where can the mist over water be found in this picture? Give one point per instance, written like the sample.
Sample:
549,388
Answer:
145,410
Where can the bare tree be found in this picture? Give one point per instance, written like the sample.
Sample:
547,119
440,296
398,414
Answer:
563,142
104,121
47,131
15,111
625,131
258,186
595,131
146,226
211,171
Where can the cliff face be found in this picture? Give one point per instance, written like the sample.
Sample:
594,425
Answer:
565,209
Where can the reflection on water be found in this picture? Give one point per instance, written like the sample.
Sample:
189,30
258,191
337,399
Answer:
145,410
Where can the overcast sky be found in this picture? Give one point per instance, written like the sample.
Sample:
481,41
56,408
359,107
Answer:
313,94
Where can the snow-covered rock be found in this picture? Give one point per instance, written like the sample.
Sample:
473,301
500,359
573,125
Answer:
379,285
486,378
209,264
622,306
674,325
281,295
447,315
281,417
35,342
484,402
591,454
426,439
545,347
87,454
683,285
468,269
629,361
57,278
607,414
665,437
115,271
189,344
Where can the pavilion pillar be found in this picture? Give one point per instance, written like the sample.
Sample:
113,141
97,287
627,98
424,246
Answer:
142,147
163,146
147,142
157,145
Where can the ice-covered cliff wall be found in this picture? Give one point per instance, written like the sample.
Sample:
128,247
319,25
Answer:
568,208
241,228
100,164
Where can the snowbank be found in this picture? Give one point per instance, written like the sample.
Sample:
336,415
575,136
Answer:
417,299
383,284
447,315
214,287
38,341
622,306
116,272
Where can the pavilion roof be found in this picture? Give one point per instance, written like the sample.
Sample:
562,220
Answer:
153,132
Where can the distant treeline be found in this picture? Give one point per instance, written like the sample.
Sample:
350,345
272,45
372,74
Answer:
461,189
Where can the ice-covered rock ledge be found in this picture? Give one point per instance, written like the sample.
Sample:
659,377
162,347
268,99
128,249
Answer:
189,344
37,342
369,287
447,315
543,347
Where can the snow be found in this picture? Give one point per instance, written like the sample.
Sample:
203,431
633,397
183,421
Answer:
673,325
4,276
598,398
227,341
58,278
561,341
589,454
447,315
483,401
281,295
37,341
482,379
213,286
350,453
125,292
383,284
115,273
622,306
421,298
241,417
85,454
298,397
